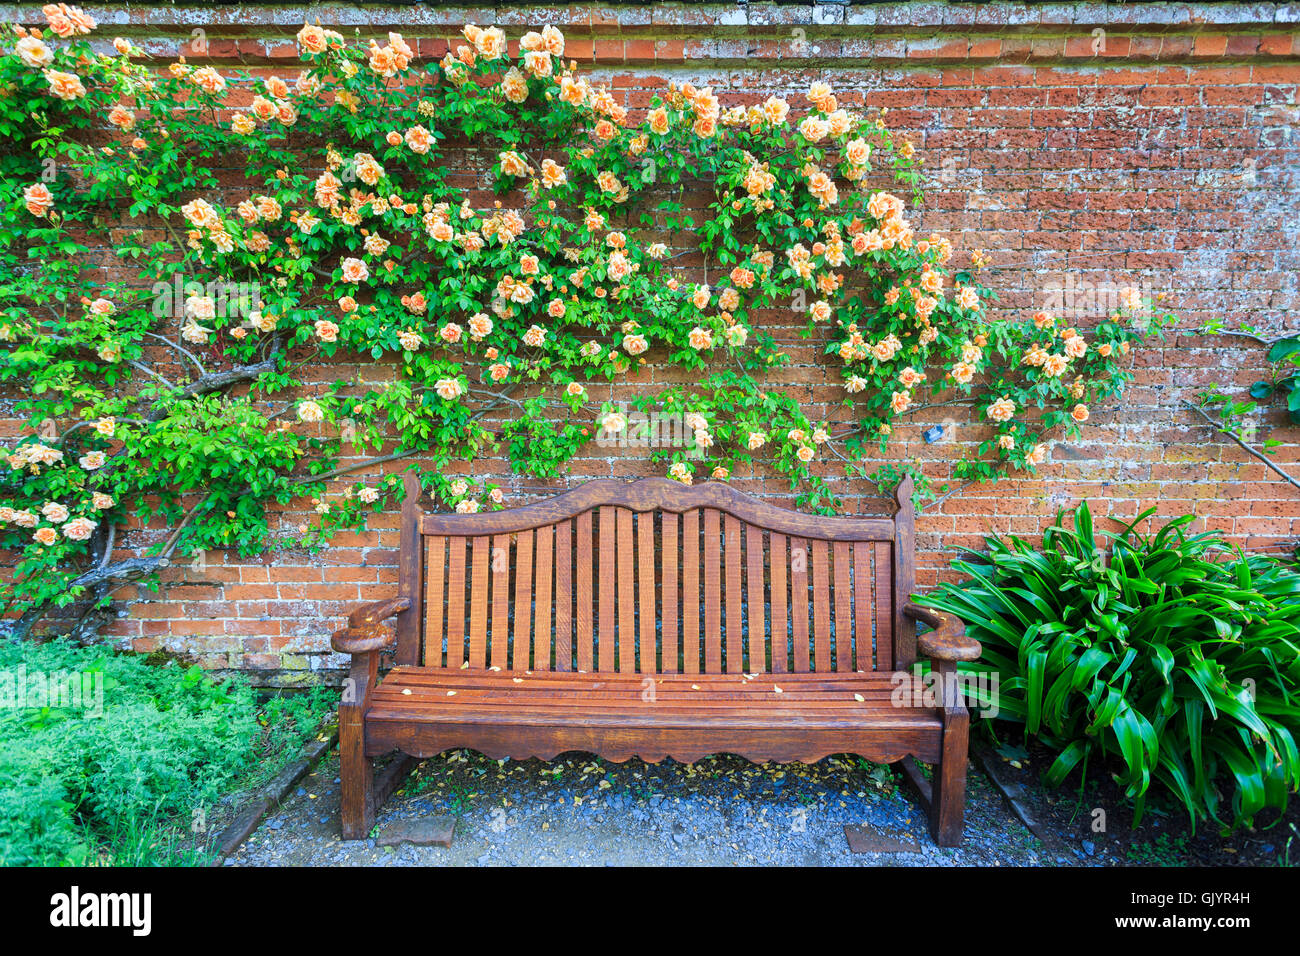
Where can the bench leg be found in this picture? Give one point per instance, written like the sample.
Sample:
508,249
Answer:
948,790
357,776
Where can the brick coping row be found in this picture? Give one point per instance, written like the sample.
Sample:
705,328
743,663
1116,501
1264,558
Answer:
913,16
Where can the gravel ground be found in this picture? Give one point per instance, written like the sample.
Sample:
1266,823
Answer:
578,810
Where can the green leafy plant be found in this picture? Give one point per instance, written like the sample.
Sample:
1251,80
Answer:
134,771
1171,657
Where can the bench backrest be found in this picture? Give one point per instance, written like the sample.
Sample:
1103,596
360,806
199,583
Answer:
654,576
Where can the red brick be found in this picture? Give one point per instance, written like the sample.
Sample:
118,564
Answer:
640,51
669,50
1209,45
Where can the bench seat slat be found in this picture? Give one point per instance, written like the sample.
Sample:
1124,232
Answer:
603,702
747,715
608,715
460,694
416,675
638,714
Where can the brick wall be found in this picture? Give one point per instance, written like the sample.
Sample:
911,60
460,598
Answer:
1160,152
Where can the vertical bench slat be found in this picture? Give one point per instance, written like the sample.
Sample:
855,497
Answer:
777,558
691,592
668,548
542,594
435,602
456,602
498,627
605,626
521,640
821,607
498,636
645,574
799,604
585,599
884,608
712,593
735,595
843,608
755,624
564,596
862,606
480,569
626,591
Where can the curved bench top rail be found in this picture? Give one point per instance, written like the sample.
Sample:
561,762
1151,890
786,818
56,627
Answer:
663,494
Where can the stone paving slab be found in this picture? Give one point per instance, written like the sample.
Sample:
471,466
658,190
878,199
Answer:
422,831
866,839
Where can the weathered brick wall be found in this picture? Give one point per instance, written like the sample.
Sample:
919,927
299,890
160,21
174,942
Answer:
1161,152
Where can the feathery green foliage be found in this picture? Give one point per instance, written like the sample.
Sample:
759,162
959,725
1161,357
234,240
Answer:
133,770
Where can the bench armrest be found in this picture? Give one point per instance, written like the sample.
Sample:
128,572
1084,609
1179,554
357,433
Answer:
947,641
363,633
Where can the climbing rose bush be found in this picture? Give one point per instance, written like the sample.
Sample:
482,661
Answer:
184,351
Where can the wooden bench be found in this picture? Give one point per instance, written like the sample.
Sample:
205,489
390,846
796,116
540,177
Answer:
654,620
